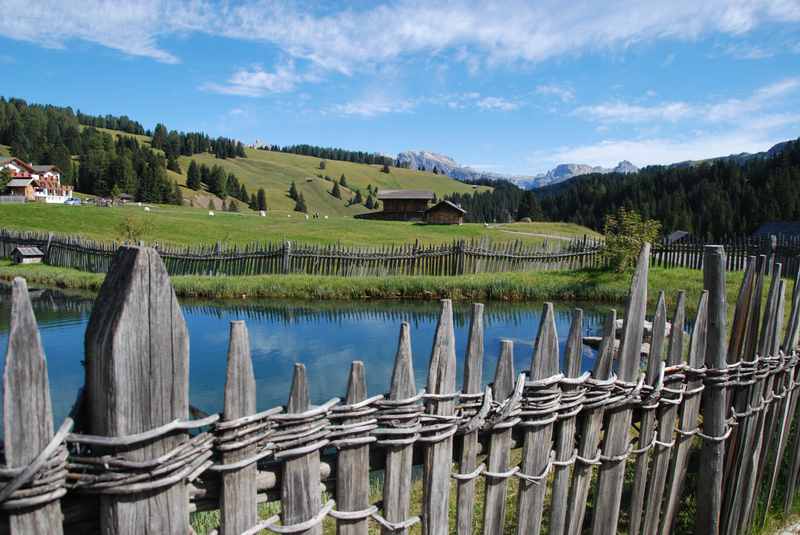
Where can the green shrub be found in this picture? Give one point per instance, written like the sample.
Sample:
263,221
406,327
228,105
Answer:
626,232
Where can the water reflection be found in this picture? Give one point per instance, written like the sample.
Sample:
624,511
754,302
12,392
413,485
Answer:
325,336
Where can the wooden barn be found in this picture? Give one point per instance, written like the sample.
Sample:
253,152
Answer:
403,204
27,255
445,213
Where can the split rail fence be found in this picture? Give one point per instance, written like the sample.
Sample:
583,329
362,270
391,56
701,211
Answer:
129,460
457,258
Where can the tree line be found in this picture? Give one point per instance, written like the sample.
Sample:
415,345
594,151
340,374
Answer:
330,153
175,144
223,185
713,199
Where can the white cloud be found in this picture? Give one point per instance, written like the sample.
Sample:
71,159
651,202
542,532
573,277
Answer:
372,105
728,110
256,82
480,32
631,113
748,51
496,103
566,94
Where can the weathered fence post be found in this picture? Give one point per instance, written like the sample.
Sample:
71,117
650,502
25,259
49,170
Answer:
615,442
666,420
300,492
238,511
565,432
399,456
647,428
27,420
286,264
352,479
591,425
538,427
496,475
473,376
709,500
439,453
137,379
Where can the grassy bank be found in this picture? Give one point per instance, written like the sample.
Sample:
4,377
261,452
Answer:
583,286
187,226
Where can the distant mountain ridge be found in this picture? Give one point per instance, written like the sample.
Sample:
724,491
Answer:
430,161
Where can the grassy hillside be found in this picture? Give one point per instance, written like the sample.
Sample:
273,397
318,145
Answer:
275,171
172,224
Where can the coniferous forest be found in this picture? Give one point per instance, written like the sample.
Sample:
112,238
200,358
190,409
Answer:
713,199
97,162
329,153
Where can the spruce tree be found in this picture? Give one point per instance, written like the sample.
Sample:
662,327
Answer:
336,191
343,180
243,196
177,195
293,192
370,204
357,199
261,199
193,176
253,202
300,205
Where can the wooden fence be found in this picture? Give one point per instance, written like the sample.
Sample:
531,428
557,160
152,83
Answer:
688,252
129,460
457,258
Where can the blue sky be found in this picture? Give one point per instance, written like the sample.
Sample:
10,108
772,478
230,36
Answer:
512,87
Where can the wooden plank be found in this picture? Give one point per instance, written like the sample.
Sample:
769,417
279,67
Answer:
300,492
473,377
565,430
238,511
439,455
397,478
709,501
352,481
666,424
27,411
647,428
538,439
615,442
137,379
688,417
494,511
591,424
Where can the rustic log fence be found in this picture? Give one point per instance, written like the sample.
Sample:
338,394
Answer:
457,258
689,252
129,459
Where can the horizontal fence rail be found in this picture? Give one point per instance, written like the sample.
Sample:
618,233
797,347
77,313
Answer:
457,258
704,417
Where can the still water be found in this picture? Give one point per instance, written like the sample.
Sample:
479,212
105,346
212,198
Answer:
325,336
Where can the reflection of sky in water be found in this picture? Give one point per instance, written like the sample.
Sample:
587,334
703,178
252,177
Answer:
326,337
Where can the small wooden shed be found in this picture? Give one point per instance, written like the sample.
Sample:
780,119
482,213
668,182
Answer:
445,213
27,255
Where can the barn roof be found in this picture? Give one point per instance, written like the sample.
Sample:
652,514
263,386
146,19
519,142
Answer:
28,250
414,194
446,204
21,163
785,228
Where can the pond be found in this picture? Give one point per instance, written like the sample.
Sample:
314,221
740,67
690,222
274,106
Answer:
325,336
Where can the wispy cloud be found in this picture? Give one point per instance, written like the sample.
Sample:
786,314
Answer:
565,94
727,110
372,105
496,103
256,82
478,31
748,51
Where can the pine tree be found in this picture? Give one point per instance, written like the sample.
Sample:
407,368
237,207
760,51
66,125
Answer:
370,204
293,192
243,196
193,176
336,191
261,199
357,199
253,202
343,180
232,206
300,205
172,164
177,195
159,139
